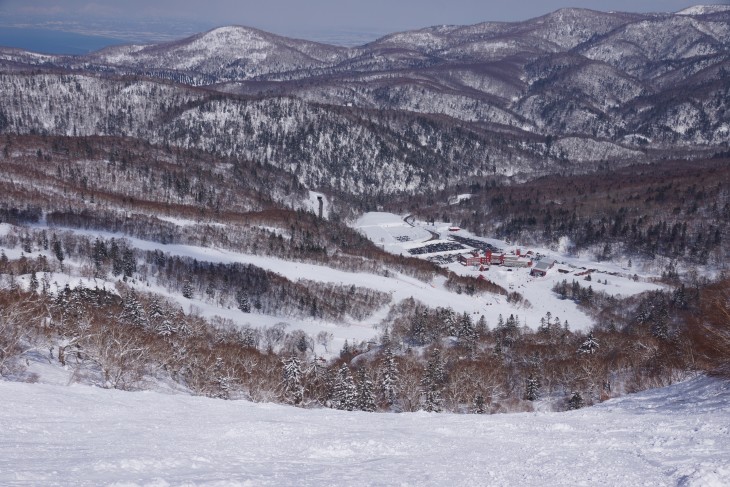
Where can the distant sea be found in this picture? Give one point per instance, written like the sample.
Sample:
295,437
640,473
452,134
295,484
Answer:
54,41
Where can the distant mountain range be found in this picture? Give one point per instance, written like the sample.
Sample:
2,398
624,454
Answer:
559,92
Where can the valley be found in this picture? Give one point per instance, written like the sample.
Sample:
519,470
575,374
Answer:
252,236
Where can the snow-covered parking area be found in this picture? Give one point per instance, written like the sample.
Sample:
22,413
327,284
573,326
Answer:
84,436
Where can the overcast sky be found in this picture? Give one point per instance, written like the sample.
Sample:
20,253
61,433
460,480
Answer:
291,16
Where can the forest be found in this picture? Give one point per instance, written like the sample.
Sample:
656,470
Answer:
430,359
425,358
677,210
84,200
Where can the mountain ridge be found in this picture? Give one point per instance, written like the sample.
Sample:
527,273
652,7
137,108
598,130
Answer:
563,91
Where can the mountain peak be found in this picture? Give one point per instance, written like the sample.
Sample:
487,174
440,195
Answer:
704,9
232,33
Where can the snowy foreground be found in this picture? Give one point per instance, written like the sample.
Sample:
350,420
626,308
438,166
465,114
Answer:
80,435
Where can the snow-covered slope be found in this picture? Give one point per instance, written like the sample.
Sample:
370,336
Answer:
394,235
704,9
604,87
84,436
231,52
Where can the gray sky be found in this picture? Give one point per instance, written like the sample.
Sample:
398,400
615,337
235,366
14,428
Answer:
290,17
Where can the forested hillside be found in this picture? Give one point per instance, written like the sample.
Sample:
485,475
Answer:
677,210
411,111
160,219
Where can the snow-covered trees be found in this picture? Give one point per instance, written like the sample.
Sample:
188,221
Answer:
33,283
365,393
419,327
389,378
575,401
532,388
480,406
589,346
133,313
120,356
18,317
467,332
57,249
243,302
292,380
148,336
344,392
187,290
433,382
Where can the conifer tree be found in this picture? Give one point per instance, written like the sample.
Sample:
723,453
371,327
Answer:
389,378
450,323
57,249
98,255
467,333
116,258
129,263
482,328
365,396
132,311
433,382
532,388
480,406
187,290
345,351
344,395
385,339
243,302
155,310
26,243
159,319
292,380
418,330
33,285
589,346
575,401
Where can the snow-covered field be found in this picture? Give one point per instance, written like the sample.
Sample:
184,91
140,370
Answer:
399,286
54,435
391,232
384,229
396,236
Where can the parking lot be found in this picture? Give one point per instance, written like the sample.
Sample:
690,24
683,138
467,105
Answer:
443,259
474,243
436,247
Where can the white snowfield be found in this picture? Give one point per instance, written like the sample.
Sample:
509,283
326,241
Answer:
386,229
54,435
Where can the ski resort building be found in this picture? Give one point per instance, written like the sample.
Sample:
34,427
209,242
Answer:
474,258
541,268
515,261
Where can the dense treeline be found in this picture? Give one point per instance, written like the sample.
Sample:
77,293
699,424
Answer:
675,209
428,359
119,343
111,173
184,196
243,286
345,150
